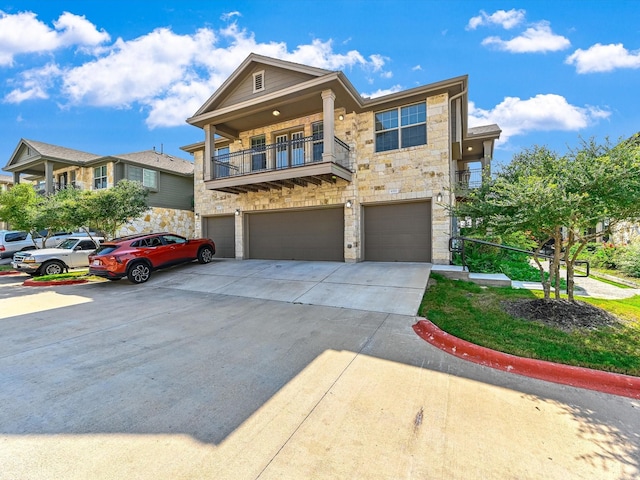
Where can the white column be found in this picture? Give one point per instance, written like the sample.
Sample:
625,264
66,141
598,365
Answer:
209,148
488,155
48,177
328,121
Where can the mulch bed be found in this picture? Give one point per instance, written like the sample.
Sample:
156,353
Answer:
562,314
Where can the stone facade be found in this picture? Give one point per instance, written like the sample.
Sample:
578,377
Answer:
408,174
625,233
157,219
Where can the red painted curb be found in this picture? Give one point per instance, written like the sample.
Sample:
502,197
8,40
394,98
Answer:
9,272
613,383
35,283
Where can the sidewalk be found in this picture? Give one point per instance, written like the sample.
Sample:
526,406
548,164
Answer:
588,287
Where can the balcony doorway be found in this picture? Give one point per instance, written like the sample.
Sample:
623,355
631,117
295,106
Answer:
290,149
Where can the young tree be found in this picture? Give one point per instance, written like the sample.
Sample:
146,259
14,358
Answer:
561,199
107,210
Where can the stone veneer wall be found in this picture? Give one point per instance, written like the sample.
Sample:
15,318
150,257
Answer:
625,232
416,173
158,219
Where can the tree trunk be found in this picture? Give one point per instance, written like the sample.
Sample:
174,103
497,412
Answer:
546,284
557,252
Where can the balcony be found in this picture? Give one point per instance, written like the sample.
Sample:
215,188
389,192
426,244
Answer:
280,165
468,179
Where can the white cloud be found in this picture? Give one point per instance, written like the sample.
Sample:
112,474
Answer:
76,30
538,38
544,112
23,33
416,68
506,19
603,58
383,92
230,15
165,74
34,84
137,70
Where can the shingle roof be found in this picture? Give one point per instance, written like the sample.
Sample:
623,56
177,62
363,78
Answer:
63,153
6,179
158,160
484,130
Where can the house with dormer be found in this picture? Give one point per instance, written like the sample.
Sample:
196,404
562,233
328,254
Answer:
169,180
296,164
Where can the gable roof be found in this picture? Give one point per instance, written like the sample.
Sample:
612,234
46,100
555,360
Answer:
159,161
296,91
247,65
30,155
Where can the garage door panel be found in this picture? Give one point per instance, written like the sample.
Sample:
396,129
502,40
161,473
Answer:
222,230
398,232
316,234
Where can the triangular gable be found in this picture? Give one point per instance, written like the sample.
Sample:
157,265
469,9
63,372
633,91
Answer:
30,150
278,74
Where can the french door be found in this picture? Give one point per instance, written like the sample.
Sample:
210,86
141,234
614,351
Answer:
290,150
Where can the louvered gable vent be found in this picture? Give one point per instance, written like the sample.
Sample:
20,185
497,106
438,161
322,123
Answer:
258,81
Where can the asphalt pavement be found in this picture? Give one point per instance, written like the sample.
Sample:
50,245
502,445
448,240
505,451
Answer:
193,376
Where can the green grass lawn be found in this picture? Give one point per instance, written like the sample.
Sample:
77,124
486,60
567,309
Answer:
474,313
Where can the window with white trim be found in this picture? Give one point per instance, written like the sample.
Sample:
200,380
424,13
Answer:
100,177
148,178
258,81
401,127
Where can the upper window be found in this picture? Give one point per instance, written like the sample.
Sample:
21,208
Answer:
100,177
148,178
401,127
258,81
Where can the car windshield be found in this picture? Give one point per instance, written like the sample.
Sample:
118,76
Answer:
69,243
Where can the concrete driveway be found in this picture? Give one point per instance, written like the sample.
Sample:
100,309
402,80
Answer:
191,377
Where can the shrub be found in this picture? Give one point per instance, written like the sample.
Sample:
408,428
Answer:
629,260
599,255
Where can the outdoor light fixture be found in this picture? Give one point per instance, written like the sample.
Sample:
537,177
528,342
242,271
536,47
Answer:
469,149
340,117
439,197
276,113
197,216
237,212
349,204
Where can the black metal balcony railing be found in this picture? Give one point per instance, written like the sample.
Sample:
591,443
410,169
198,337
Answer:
278,156
469,179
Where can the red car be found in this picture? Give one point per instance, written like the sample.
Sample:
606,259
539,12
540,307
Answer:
136,256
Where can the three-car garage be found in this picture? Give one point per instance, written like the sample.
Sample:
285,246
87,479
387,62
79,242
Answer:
390,232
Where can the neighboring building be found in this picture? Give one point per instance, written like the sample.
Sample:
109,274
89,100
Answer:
169,180
6,182
297,165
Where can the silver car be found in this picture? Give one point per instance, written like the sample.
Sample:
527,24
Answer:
71,253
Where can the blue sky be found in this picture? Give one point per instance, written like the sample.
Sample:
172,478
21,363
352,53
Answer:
112,77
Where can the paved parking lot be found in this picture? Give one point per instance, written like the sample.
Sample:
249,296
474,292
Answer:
201,374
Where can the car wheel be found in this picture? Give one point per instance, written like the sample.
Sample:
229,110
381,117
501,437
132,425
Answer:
52,268
205,255
139,272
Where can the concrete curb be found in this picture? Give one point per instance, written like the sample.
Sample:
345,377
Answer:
612,383
9,272
34,283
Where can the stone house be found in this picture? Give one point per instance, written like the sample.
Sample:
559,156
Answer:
169,180
296,164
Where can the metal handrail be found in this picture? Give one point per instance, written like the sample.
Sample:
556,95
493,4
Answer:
277,156
455,249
